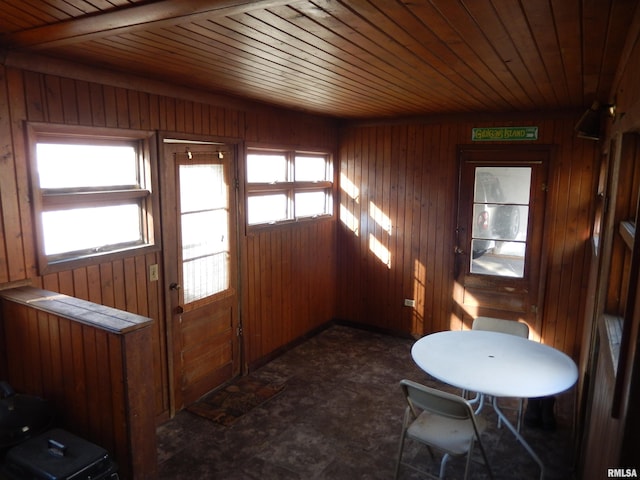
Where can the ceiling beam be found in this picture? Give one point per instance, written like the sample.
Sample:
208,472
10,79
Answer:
128,19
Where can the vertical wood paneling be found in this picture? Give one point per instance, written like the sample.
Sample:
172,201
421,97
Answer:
80,370
410,172
288,275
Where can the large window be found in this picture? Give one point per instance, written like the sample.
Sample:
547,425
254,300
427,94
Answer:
92,193
286,186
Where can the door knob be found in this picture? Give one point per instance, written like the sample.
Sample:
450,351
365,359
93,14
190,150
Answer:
174,286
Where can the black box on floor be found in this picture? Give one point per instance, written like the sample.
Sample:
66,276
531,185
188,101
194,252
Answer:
58,455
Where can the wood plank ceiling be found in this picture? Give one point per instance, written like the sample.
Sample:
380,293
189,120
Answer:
344,58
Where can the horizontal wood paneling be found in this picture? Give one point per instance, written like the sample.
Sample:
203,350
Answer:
399,190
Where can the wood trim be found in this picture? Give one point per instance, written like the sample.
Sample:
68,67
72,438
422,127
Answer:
87,313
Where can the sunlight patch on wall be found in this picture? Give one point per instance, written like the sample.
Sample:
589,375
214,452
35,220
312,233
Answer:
379,250
381,218
346,214
349,219
417,316
349,187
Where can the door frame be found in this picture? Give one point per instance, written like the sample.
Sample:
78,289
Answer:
168,211
501,151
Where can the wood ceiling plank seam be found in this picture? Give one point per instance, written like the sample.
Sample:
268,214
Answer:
469,29
594,31
127,19
392,56
620,22
354,80
267,56
276,75
417,86
162,64
58,10
106,5
19,12
430,17
435,51
362,49
9,25
76,8
228,86
309,49
541,21
327,62
569,38
252,33
520,23
494,31
354,64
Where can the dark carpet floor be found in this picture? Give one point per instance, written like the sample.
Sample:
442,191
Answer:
339,417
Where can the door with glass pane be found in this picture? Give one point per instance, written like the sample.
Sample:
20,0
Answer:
500,231
201,274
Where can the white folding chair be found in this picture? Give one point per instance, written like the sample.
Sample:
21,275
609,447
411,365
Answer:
440,420
510,327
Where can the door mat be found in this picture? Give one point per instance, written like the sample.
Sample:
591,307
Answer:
225,406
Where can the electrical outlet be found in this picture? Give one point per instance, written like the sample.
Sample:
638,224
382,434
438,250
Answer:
153,272
409,302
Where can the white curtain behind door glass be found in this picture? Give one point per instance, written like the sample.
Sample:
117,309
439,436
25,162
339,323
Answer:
204,218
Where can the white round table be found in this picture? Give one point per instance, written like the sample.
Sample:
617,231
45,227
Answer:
494,363
498,365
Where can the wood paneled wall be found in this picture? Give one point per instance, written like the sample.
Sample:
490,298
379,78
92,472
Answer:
93,372
287,274
611,426
398,196
292,286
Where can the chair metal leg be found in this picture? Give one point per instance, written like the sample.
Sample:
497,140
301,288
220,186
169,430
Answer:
443,465
405,422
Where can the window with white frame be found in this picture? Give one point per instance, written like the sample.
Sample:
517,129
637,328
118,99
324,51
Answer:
286,186
92,193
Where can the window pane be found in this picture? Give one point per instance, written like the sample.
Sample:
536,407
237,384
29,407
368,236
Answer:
309,204
266,168
500,220
204,223
267,208
202,187
205,276
204,233
311,169
75,166
95,228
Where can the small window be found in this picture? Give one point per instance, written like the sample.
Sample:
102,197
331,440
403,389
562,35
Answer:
286,186
92,194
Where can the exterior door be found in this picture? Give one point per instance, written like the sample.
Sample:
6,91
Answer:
501,204
201,267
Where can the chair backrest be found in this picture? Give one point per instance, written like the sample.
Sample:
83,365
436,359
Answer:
504,326
436,401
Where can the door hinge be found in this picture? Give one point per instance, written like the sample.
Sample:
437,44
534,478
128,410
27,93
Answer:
237,183
239,330
545,187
